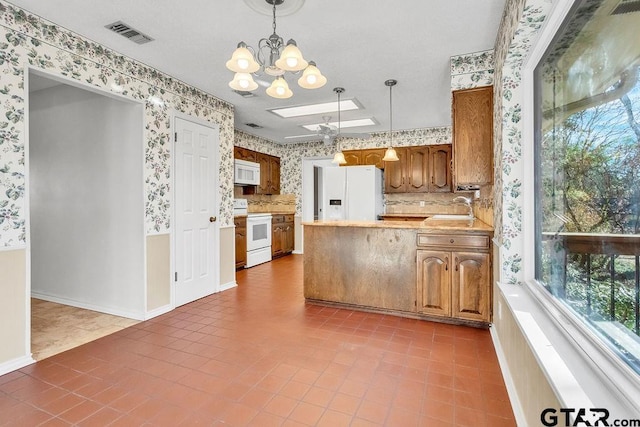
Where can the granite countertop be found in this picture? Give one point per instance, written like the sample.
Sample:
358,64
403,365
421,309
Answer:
428,225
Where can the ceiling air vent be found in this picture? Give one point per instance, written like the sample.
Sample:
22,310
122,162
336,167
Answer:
626,6
128,32
253,125
244,93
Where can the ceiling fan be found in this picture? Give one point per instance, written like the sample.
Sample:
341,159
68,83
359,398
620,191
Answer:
328,132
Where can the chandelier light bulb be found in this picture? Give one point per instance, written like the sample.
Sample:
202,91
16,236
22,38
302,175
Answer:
291,58
242,60
243,63
311,77
279,89
243,82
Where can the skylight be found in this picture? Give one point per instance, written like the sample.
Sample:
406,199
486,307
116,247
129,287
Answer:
311,109
343,124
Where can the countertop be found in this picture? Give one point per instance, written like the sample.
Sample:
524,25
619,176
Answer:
429,225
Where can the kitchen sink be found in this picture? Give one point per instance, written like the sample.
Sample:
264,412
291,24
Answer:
452,217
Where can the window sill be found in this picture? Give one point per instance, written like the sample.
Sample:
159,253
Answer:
582,371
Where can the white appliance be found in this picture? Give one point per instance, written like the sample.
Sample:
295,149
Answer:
258,238
240,207
246,173
351,193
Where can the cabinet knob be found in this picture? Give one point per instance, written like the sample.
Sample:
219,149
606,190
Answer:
451,241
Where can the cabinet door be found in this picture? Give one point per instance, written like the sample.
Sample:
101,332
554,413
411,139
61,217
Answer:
471,293
373,157
418,169
434,284
440,168
473,136
276,240
244,154
264,161
289,238
274,175
395,173
241,241
352,157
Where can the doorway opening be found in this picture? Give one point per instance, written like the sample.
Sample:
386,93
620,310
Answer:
85,233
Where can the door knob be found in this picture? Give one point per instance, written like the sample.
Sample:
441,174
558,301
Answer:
212,219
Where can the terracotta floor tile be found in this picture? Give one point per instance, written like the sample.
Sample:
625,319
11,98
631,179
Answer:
258,355
334,419
307,413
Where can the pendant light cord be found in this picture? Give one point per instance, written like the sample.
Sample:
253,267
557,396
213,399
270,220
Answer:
390,115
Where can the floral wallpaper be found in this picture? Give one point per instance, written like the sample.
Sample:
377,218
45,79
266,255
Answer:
291,155
520,24
472,70
29,39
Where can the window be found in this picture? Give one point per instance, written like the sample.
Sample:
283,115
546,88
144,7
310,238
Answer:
588,171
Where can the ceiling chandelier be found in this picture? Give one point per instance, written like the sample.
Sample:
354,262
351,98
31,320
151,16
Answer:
390,155
273,58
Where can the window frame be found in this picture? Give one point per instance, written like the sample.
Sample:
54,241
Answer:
605,379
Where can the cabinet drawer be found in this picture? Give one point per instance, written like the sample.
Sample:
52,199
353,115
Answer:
288,218
277,219
453,241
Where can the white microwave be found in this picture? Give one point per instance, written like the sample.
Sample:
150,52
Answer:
246,173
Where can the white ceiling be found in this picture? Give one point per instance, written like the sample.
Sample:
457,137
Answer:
357,44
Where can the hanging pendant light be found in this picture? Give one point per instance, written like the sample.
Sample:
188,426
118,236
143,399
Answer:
390,155
338,158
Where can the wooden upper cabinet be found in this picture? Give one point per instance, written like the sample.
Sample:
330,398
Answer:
418,169
473,136
269,174
440,168
274,175
395,180
353,157
373,157
244,154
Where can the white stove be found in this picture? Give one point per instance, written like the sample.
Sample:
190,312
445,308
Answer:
258,233
258,238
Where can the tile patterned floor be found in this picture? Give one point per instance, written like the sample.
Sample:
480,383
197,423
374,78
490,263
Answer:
58,327
257,355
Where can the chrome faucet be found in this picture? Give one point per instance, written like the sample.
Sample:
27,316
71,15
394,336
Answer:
466,201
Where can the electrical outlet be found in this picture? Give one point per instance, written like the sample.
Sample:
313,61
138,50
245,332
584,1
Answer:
422,203
476,194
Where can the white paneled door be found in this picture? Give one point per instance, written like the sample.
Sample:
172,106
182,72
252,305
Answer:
196,228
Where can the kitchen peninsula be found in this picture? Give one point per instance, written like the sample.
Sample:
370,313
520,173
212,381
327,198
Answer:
432,269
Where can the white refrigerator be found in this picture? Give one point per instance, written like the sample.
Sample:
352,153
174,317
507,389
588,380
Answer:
351,193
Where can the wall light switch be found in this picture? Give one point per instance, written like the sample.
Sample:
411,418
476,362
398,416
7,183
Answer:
421,203
476,194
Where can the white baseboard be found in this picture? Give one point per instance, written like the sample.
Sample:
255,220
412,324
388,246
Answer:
228,285
518,413
158,311
15,364
87,306
297,252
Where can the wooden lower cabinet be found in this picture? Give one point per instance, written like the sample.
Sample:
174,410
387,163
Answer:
241,241
455,283
282,235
